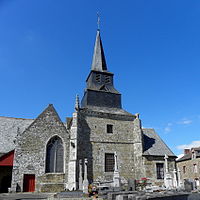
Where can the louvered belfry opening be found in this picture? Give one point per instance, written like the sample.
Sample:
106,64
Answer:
54,155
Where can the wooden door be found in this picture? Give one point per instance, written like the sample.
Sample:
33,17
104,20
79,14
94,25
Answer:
29,183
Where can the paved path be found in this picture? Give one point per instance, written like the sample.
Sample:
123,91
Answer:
25,196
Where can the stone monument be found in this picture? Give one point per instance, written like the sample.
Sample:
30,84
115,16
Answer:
116,177
80,180
85,181
180,183
167,176
175,184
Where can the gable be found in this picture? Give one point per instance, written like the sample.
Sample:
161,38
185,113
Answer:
46,125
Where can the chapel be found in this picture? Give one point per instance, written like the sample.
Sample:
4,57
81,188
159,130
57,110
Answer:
100,143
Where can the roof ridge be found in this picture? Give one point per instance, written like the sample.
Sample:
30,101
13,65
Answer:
15,118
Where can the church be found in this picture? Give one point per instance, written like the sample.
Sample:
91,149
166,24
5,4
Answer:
101,142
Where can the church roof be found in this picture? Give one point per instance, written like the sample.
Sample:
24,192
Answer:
115,111
9,127
154,145
98,61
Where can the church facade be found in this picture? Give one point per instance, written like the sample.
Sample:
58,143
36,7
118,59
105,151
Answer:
100,139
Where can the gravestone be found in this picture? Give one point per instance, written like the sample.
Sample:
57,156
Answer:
188,185
131,184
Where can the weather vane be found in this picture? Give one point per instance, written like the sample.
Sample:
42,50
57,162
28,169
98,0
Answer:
98,20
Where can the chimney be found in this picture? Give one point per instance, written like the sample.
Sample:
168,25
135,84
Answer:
186,151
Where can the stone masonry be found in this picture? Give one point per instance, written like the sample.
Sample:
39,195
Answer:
30,152
67,156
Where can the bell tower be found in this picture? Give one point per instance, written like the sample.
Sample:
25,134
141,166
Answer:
100,91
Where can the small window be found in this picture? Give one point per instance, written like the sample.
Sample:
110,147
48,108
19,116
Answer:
193,155
195,168
109,128
98,78
109,162
184,169
160,170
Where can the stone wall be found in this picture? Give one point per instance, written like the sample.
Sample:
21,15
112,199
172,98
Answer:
126,140
30,152
189,169
150,168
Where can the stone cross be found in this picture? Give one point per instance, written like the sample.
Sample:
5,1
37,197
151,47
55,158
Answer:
116,177
174,179
98,20
180,184
85,181
80,176
166,164
168,182
116,165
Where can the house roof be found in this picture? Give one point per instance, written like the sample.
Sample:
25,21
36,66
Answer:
9,127
153,145
187,157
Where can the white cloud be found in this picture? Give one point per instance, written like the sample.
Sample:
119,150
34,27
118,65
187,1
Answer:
189,146
185,121
167,129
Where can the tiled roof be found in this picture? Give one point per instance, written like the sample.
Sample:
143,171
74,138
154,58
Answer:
8,131
154,145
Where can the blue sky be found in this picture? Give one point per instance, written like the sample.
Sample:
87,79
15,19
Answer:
152,47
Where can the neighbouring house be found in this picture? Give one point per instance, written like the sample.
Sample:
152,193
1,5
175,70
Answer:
47,155
189,166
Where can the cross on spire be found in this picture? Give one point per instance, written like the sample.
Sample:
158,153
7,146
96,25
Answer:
98,21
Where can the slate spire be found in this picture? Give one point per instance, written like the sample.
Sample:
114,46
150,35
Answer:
98,61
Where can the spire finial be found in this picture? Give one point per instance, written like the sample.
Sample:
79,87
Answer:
98,21
77,105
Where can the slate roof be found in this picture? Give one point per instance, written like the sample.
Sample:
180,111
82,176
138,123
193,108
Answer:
8,131
187,157
154,145
98,61
117,111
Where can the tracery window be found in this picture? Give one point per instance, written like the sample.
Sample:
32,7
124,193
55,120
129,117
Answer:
54,155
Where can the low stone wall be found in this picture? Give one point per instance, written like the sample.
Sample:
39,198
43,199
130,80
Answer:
153,196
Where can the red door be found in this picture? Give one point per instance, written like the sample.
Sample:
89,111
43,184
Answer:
29,183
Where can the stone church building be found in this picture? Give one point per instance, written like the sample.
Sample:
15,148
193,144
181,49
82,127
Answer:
48,155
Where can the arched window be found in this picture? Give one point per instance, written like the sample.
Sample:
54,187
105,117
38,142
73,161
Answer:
54,155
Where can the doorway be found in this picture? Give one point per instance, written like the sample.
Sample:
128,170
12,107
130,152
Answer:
29,183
